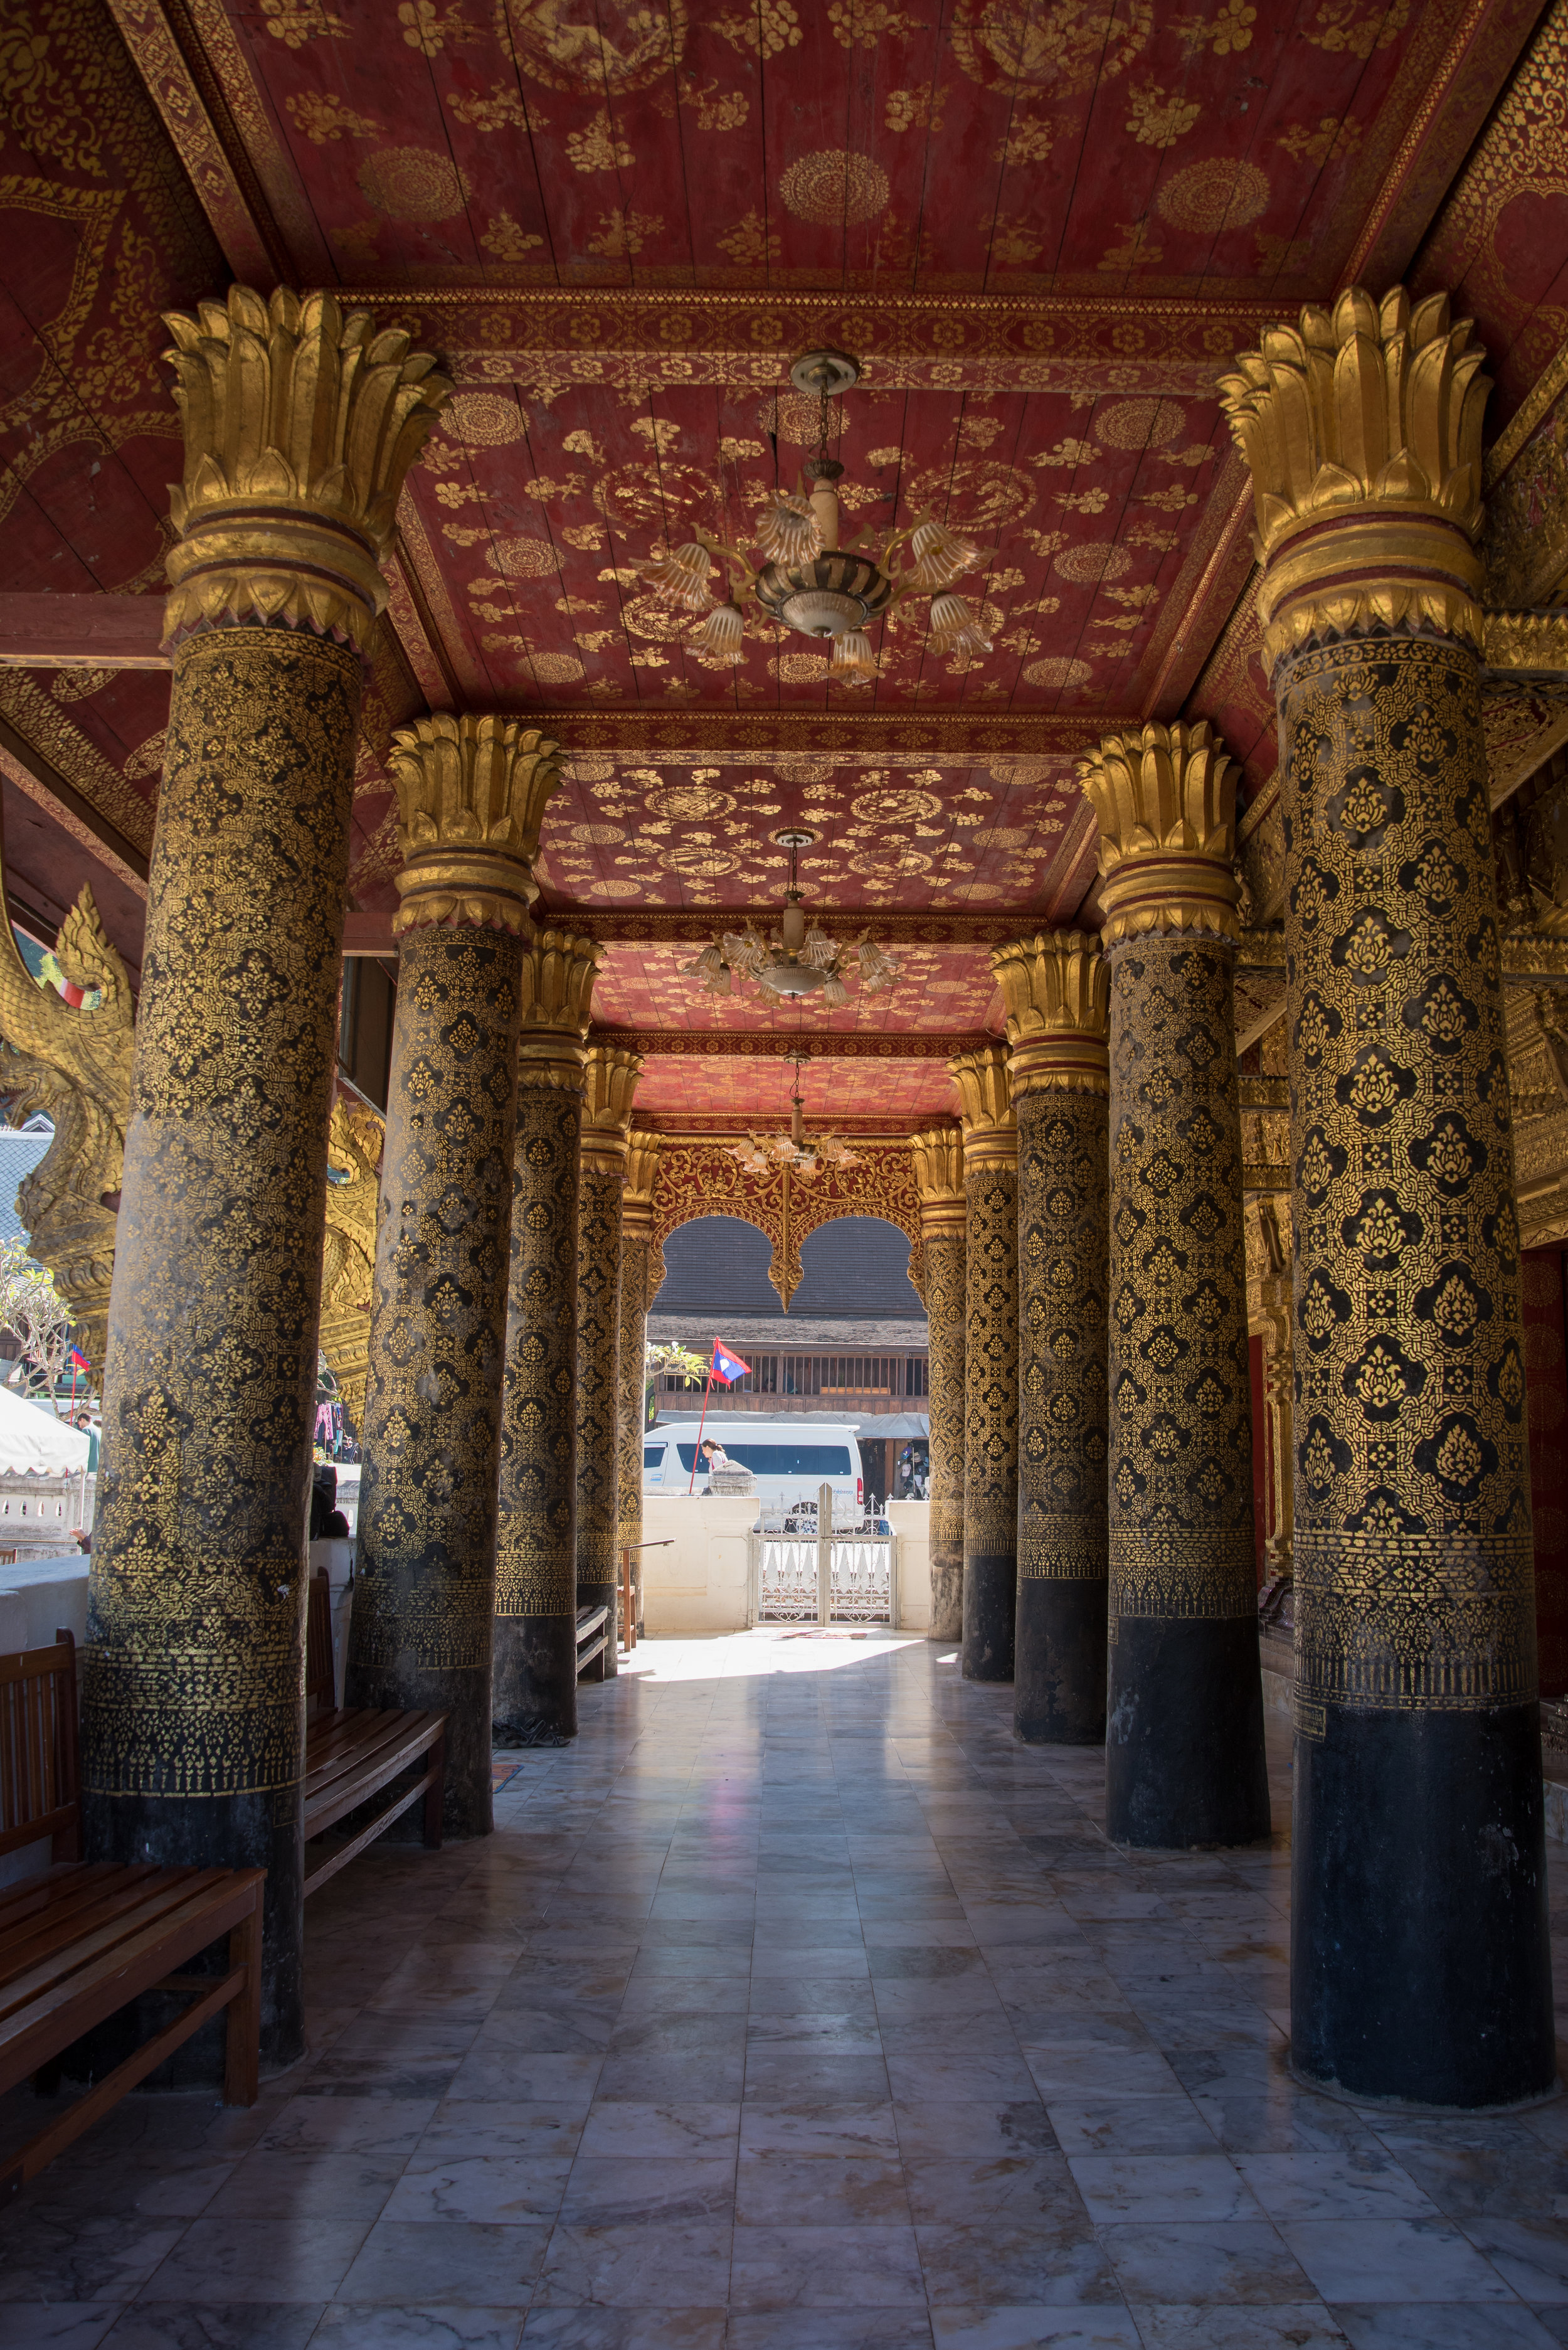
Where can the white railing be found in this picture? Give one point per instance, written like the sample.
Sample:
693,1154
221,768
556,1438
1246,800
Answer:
845,1575
42,1514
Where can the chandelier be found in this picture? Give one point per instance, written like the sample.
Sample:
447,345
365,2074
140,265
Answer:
806,578
766,1154
797,959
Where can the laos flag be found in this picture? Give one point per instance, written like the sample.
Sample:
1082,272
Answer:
727,1367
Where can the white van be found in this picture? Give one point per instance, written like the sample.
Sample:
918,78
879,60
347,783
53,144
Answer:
790,1457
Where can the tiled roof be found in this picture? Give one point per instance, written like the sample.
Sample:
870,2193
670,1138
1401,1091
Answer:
19,1154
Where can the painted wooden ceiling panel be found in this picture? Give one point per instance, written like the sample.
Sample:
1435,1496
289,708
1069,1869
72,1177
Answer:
949,990
676,1089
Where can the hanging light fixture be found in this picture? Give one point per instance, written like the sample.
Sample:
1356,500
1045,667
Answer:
765,1154
806,578
797,959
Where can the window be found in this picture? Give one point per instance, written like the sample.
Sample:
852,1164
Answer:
780,1460
652,1455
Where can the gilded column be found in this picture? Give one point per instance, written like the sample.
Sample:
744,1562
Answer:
1055,988
1418,1964
611,1080
636,1297
300,422
471,792
349,1260
1184,1741
990,1363
536,1663
938,1179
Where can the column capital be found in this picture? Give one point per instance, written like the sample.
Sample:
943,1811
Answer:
558,973
641,1175
609,1081
938,1155
1362,428
1165,801
1057,989
471,795
300,423
985,1107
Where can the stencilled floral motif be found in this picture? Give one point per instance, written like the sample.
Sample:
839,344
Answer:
1063,1200
1412,1546
1317,1027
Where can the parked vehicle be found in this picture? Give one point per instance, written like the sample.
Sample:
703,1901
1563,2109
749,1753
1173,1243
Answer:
789,1457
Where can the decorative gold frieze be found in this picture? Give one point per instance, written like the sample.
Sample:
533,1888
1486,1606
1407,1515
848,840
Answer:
1362,427
349,1260
938,1155
1056,987
73,1065
300,425
471,794
985,1107
609,1081
1165,800
1532,644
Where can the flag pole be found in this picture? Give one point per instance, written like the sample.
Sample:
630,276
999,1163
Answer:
701,1425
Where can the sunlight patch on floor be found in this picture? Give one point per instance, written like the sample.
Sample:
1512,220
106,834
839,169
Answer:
767,1648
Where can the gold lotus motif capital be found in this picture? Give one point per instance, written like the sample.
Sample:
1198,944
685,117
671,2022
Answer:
1362,428
1056,987
1165,800
558,974
609,1083
985,1106
937,1156
471,792
641,1175
300,425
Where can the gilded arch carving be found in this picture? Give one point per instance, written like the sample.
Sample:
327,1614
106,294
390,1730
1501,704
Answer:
701,1178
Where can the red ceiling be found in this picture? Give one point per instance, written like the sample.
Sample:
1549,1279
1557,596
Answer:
1108,156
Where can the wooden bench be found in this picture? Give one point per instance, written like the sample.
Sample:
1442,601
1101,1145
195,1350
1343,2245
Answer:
79,1939
351,1752
593,1640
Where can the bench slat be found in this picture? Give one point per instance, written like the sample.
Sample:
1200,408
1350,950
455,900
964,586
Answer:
74,1913
360,1775
142,1910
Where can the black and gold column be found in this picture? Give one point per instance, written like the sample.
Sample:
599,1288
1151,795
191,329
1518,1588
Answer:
534,1677
990,1363
471,794
938,1180
637,1293
1055,989
1184,1733
610,1080
299,423
1418,1964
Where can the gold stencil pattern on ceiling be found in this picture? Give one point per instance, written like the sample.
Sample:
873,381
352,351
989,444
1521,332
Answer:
1180,1498
195,1658
1413,1553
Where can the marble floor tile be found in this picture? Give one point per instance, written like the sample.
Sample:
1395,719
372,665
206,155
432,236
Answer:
1396,2260
797,2007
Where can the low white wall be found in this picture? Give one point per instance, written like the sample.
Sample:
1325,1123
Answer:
700,1584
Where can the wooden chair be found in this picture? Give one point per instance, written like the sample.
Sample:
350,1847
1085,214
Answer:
351,1752
79,1939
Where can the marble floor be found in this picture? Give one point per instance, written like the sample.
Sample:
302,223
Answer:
794,2008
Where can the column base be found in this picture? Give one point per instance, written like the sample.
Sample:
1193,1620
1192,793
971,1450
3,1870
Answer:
1184,1764
947,1594
1059,1661
462,1694
535,1686
1420,1968
256,1831
989,1603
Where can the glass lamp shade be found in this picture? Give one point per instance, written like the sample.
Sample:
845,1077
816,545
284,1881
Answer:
787,977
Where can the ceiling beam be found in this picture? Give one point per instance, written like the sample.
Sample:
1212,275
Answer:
631,339
372,933
81,632
778,1043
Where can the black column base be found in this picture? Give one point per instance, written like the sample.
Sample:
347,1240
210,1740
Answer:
462,1694
1059,1661
1184,1733
265,1830
989,1603
1420,1968
535,1684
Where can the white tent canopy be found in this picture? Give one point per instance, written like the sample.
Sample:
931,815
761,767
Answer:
35,1443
